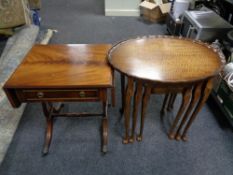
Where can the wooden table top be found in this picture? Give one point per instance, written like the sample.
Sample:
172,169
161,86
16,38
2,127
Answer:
166,59
59,66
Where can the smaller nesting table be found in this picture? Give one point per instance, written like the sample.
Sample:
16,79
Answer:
63,73
169,65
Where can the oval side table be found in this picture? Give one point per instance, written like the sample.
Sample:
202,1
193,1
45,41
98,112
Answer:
164,64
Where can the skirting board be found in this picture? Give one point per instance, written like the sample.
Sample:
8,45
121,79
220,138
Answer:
121,12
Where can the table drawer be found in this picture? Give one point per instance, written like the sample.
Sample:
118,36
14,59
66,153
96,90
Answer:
30,95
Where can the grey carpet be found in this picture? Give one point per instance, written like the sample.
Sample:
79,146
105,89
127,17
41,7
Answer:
83,22
75,147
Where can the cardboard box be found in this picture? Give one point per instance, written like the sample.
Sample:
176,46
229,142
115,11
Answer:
34,4
158,2
155,10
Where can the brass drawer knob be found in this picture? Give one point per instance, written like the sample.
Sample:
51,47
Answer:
40,94
82,94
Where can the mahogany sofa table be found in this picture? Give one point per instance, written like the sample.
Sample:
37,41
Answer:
63,73
165,64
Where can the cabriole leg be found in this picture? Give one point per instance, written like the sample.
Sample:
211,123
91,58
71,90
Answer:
171,102
165,101
206,89
137,98
105,125
145,100
122,94
186,94
129,93
48,111
195,96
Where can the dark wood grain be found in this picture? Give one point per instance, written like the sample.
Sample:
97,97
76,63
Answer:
165,101
196,92
58,66
48,110
60,73
186,94
113,91
145,99
129,92
105,123
206,89
137,98
171,101
165,59
122,94
171,65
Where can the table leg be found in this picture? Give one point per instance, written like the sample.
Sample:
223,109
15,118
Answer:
165,101
195,96
171,101
129,93
105,124
206,89
186,94
113,94
137,98
122,94
145,100
48,110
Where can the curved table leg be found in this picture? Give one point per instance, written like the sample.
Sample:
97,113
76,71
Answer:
195,96
171,102
105,127
137,97
128,94
122,94
49,130
145,100
165,101
185,100
206,89
113,94
104,135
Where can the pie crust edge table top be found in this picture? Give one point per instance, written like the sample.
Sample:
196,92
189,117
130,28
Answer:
166,59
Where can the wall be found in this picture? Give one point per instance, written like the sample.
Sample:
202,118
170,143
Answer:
122,7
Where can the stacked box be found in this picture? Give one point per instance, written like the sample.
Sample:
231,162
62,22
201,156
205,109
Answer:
154,11
34,4
13,13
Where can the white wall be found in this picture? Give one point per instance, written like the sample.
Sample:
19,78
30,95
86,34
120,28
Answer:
122,7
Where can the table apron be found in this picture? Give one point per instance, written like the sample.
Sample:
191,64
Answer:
60,95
